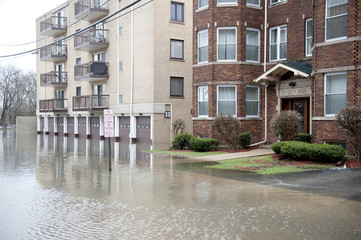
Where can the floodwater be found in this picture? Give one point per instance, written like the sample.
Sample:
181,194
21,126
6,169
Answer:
60,188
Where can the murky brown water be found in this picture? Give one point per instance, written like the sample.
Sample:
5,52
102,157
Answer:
56,189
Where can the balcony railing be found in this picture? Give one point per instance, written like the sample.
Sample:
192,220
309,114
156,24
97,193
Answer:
53,25
90,103
54,53
54,79
92,71
89,10
91,40
53,105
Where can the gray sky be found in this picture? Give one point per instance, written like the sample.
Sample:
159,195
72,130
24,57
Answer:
17,24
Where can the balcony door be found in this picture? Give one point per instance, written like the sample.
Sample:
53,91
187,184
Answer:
302,106
59,99
98,95
59,69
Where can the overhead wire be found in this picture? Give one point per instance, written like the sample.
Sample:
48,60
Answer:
76,33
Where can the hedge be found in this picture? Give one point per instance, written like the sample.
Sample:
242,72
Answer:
303,137
203,144
307,151
181,141
245,139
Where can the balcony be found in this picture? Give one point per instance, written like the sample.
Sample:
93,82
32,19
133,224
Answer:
91,40
53,105
89,10
54,53
93,71
54,25
91,103
54,79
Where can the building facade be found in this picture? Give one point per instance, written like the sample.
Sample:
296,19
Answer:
255,58
133,57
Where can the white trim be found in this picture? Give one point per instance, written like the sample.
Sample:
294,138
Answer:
202,8
278,43
307,38
231,3
235,96
278,2
324,92
235,35
203,46
253,116
296,72
259,44
198,88
326,18
253,5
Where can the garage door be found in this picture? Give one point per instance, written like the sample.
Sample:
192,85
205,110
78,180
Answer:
70,126
143,129
82,126
60,124
51,125
124,128
41,124
94,126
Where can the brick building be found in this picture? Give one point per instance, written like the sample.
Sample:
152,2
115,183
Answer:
254,58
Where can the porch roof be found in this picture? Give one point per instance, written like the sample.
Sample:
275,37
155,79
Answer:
298,68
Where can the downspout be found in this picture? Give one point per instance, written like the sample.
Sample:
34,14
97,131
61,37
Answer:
264,70
131,69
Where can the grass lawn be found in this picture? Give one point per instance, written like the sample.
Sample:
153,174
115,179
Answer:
267,165
185,153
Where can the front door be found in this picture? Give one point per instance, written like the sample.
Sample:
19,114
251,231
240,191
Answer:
301,106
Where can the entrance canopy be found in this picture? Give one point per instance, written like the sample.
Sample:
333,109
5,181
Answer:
298,68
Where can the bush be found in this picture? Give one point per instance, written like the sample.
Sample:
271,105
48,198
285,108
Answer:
303,137
181,141
203,144
229,128
307,151
349,118
284,125
245,139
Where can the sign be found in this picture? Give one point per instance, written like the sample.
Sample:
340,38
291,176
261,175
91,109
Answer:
108,123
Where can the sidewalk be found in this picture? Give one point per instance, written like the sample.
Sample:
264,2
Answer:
262,150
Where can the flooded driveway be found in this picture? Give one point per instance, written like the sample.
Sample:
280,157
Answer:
60,188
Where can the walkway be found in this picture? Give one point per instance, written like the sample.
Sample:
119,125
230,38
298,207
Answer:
262,150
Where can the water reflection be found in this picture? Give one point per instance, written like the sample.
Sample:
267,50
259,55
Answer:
60,188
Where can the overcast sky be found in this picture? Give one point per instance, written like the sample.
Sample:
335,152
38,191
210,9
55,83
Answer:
17,24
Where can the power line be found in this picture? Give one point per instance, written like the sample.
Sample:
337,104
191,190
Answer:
76,33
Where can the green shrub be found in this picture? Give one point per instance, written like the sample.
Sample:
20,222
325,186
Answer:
203,144
245,139
307,151
303,137
181,141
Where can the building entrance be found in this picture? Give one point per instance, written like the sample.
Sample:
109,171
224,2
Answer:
302,106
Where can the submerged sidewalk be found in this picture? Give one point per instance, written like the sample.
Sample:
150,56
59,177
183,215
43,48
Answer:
262,150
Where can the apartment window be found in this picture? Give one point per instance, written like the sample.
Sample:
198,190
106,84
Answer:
252,101
99,57
308,37
177,12
120,99
120,66
335,93
203,46
227,47
78,61
276,1
226,100
120,31
176,49
203,101
336,19
202,3
226,1
252,45
176,86
78,91
253,2
278,43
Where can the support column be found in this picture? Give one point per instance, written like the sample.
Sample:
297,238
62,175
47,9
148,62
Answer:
46,125
116,128
87,127
65,121
38,130
101,127
76,127
55,126
133,127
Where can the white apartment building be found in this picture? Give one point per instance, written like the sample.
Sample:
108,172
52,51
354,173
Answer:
105,54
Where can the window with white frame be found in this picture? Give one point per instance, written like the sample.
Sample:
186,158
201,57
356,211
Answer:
278,43
226,100
202,4
203,46
253,2
99,57
276,1
177,12
308,37
336,19
252,101
176,49
252,45
226,42
335,92
203,101
176,86
226,1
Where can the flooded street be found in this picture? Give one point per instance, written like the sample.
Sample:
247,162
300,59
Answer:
60,188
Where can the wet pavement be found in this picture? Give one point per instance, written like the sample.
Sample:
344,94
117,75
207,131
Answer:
56,188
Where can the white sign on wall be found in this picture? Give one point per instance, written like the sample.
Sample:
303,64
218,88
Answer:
108,123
